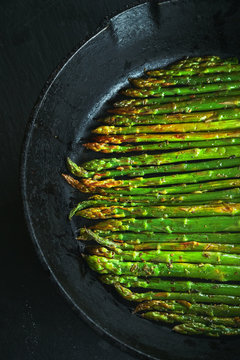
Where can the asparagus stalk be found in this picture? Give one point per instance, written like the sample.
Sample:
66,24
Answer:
168,257
181,106
172,118
99,200
189,177
194,136
196,61
149,269
190,318
159,159
231,194
140,171
150,295
176,225
175,128
207,330
187,211
228,68
165,145
207,288
185,80
176,189
170,99
184,90
149,237
186,246
205,61
185,307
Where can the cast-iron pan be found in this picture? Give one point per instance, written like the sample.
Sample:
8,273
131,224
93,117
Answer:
143,37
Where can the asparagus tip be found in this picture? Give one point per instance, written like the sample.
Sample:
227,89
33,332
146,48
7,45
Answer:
75,183
75,169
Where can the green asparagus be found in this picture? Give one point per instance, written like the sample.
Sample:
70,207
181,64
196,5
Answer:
176,189
168,257
185,80
191,297
169,128
190,318
201,104
200,271
185,178
132,171
183,90
177,225
170,99
165,145
185,307
99,200
208,288
192,136
207,330
228,68
172,118
146,237
165,158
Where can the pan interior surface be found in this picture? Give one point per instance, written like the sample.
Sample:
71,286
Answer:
144,37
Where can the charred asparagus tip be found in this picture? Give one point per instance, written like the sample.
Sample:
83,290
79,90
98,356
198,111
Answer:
75,169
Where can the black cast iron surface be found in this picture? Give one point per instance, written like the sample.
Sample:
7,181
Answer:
131,41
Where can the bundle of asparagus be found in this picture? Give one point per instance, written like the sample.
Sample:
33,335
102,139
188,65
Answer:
169,236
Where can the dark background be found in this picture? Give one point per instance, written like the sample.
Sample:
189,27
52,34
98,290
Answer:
35,37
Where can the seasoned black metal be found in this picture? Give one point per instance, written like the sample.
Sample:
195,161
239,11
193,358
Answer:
144,37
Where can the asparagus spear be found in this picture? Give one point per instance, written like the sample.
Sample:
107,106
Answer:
185,80
195,71
159,159
202,104
168,257
190,318
140,171
146,237
172,118
177,225
175,128
151,295
185,307
207,288
156,199
184,90
194,136
205,61
203,271
170,99
187,211
100,200
176,189
165,145
186,246
207,330
189,177
196,61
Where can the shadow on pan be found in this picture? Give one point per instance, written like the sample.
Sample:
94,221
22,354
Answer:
146,36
